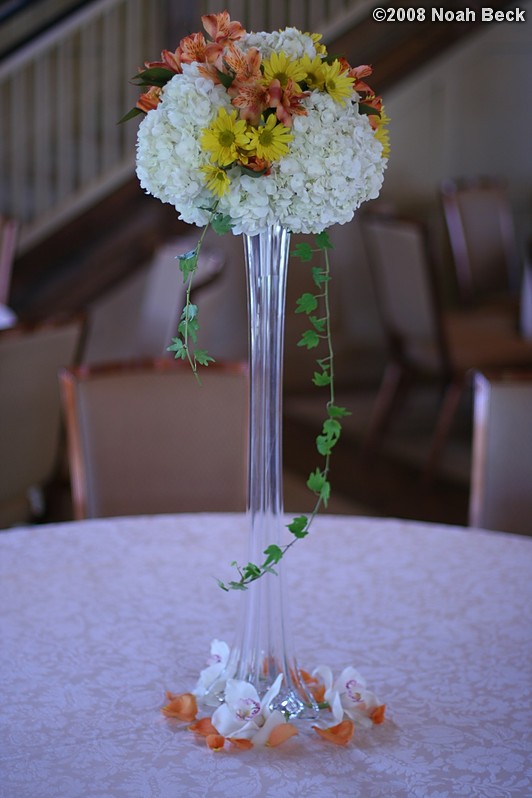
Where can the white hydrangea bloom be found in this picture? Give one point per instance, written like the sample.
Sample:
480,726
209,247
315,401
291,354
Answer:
334,161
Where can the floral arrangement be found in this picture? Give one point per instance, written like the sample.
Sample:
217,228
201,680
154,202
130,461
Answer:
244,720
226,110
245,130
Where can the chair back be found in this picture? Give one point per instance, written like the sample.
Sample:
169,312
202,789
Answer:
140,317
146,438
8,246
30,410
501,475
404,282
481,233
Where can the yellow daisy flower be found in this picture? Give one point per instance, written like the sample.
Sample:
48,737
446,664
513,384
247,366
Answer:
338,84
279,67
217,180
316,38
314,72
382,134
270,141
224,137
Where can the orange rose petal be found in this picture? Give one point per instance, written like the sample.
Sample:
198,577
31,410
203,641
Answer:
377,716
182,706
339,734
281,733
204,727
240,743
215,741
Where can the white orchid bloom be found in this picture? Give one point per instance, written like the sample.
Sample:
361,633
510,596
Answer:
212,678
244,715
348,695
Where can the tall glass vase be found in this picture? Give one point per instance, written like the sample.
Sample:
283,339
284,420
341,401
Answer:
263,648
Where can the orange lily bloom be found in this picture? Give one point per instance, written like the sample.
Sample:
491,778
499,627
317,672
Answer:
182,706
340,734
221,29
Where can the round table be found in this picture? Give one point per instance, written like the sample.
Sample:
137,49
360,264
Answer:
99,618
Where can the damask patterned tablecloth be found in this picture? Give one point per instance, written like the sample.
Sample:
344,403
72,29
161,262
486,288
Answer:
99,618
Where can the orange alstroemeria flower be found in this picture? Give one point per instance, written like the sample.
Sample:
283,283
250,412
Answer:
221,29
286,101
182,706
340,734
172,60
257,164
246,66
251,101
358,72
193,48
149,100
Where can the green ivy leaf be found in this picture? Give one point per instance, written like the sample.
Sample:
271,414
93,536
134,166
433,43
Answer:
306,303
251,571
337,412
178,348
188,263
310,339
298,526
303,251
332,428
323,241
318,324
273,555
201,357
221,224
321,379
324,445
316,481
319,276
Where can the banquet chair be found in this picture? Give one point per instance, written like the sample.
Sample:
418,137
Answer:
30,413
424,339
145,437
140,317
501,470
482,238
8,245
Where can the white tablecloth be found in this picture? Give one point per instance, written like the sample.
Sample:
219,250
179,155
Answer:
99,618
